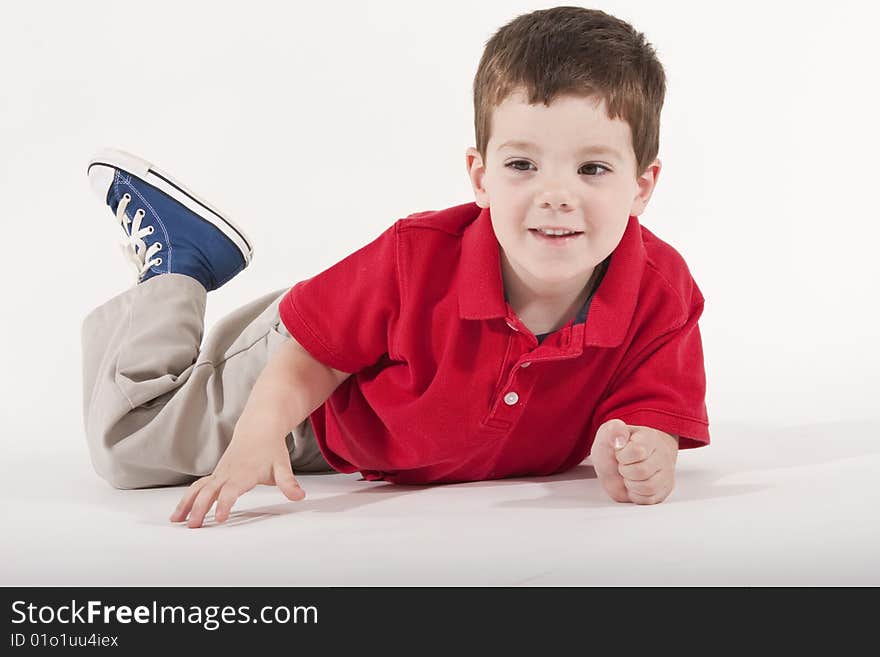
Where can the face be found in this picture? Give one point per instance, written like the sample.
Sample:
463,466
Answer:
573,168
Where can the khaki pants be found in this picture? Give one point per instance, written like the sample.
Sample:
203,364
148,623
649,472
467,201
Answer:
159,405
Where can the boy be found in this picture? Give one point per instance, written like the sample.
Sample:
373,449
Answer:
513,336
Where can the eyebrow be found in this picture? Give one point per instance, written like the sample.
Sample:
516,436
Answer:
598,149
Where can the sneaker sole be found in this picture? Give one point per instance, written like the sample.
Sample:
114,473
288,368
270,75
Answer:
116,159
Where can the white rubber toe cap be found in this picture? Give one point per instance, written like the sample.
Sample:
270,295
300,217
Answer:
100,178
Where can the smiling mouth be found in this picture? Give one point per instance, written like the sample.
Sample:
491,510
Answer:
557,239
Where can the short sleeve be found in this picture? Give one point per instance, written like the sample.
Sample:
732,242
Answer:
663,386
344,316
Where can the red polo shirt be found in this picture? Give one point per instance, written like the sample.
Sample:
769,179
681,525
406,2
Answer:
449,385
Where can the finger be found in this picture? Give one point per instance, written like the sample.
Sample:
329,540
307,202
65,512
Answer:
185,503
634,452
204,501
615,486
605,464
288,484
616,430
656,484
602,456
229,493
641,470
649,499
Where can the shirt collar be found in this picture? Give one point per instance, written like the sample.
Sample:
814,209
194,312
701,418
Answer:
481,289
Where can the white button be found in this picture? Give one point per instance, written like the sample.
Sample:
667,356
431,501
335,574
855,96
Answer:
526,364
511,398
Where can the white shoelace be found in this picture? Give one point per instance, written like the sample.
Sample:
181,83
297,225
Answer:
134,248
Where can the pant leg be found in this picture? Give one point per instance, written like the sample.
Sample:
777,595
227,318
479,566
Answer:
159,406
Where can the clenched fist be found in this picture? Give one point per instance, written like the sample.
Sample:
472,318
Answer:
633,463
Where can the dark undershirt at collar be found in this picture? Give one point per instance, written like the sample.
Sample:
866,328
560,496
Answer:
581,317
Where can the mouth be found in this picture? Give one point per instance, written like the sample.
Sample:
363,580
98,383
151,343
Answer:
558,240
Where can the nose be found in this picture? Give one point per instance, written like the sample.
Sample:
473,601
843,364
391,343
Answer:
559,200
556,191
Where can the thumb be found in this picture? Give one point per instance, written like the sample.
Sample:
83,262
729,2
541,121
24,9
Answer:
288,484
604,458
614,433
621,434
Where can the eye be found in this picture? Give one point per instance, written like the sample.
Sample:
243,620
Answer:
511,165
591,165
594,165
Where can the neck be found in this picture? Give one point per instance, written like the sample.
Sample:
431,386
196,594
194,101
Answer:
541,307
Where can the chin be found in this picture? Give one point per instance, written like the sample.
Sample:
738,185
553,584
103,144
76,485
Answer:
556,276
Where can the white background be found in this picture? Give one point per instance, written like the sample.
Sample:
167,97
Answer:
316,127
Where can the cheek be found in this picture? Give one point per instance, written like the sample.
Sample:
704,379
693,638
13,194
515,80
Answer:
512,236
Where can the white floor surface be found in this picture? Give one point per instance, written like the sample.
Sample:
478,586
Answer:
760,506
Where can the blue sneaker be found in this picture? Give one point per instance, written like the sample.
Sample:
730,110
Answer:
168,228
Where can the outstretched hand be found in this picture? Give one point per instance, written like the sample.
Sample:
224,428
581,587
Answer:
634,463
251,458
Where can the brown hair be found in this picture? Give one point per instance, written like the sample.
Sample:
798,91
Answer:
576,51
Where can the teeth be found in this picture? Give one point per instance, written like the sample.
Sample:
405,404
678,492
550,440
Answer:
556,232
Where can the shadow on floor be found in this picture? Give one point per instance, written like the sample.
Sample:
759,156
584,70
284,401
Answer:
739,447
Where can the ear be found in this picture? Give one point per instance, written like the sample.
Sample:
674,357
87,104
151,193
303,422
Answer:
476,170
646,183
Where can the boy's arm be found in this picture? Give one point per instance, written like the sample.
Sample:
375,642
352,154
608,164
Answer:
291,386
